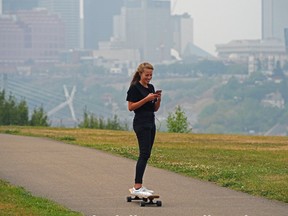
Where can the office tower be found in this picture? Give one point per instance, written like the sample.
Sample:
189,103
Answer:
11,6
274,18
147,27
98,21
182,26
286,39
30,36
69,11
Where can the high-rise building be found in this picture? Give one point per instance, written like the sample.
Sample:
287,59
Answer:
274,18
286,39
69,12
182,26
98,21
11,6
30,36
146,26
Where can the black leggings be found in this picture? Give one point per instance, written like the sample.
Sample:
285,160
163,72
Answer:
145,132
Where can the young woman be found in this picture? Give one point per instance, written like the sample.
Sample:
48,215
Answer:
144,101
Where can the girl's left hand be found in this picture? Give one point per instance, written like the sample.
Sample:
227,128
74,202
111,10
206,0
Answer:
158,96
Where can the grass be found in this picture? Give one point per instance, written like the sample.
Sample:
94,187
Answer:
257,165
16,201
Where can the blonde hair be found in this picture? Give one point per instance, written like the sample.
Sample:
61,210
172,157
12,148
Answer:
140,70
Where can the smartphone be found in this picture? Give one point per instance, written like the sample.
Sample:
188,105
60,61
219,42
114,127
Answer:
158,91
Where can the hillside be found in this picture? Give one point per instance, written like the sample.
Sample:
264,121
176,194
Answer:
213,102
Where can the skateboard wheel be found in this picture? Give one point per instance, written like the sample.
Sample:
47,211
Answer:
142,203
159,203
129,198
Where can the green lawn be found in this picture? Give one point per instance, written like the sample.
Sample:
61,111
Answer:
16,201
257,165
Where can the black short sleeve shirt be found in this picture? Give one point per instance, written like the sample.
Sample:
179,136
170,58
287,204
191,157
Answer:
137,92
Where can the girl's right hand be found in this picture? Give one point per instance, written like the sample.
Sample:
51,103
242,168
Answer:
151,97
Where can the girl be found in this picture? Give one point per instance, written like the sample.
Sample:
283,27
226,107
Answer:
143,100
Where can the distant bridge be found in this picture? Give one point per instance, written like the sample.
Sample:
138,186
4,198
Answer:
63,108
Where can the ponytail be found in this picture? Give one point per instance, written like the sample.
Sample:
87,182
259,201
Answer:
135,78
137,75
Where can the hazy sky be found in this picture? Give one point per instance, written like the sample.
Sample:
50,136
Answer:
220,21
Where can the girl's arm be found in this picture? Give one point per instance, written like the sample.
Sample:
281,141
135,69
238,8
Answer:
135,105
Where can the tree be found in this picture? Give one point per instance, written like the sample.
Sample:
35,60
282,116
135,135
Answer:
91,121
177,122
114,124
22,116
17,113
39,118
12,112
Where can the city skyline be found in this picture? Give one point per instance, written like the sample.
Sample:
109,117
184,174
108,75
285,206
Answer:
223,23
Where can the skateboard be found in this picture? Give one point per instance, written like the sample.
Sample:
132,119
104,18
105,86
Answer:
145,200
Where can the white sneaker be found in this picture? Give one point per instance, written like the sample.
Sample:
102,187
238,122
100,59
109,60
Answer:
147,190
140,192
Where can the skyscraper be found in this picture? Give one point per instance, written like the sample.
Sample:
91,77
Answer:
147,27
30,36
182,32
11,6
69,11
98,21
274,18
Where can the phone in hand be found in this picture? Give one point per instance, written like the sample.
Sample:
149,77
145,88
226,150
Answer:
158,91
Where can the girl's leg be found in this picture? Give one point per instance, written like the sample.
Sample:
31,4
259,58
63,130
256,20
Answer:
145,140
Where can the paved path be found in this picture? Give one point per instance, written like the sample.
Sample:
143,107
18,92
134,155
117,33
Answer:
96,183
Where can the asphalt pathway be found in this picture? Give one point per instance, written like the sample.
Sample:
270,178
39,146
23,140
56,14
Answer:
96,183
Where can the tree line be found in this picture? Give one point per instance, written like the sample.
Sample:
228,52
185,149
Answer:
90,120
13,112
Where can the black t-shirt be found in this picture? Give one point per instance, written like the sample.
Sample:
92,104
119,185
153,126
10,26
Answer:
137,92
